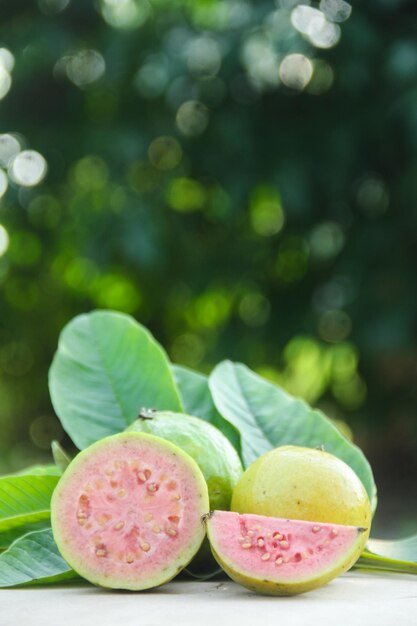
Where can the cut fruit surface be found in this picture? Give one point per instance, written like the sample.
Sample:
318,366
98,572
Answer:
127,512
280,556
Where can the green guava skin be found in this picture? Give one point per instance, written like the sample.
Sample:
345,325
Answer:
210,449
304,484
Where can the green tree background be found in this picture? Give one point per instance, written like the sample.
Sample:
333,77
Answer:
240,176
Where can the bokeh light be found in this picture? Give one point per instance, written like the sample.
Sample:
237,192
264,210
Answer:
203,57
266,213
165,153
336,10
7,60
4,240
152,77
28,168
296,71
9,148
85,67
186,194
126,14
322,78
5,81
312,23
334,326
326,240
4,182
192,118
373,196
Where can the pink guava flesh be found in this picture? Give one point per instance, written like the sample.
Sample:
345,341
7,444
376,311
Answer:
128,514
279,549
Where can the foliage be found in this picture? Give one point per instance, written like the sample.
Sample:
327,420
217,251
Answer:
237,199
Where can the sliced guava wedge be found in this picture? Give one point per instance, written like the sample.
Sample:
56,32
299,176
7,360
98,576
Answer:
126,513
278,556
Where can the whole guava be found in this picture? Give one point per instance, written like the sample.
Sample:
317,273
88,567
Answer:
304,484
210,449
126,513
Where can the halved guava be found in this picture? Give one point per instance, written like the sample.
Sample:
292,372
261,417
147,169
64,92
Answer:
278,556
126,514
210,449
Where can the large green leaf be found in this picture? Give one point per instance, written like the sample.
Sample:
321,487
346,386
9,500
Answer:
196,399
25,499
267,417
106,368
395,556
39,470
33,558
8,536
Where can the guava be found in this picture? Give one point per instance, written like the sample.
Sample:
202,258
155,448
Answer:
304,484
210,449
126,513
278,556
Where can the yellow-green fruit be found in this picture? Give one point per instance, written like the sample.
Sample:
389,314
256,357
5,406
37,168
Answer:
303,484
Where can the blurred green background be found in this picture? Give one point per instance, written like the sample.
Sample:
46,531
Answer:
240,176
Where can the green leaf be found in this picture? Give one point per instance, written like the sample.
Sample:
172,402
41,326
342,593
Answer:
8,536
106,368
195,393
267,417
395,556
399,549
196,399
39,470
61,457
33,558
25,499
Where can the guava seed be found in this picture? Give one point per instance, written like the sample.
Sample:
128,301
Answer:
103,519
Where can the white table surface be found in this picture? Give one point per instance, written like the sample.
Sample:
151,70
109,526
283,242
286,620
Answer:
357,598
